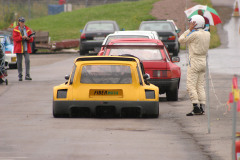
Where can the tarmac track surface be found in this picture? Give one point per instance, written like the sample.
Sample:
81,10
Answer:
28,130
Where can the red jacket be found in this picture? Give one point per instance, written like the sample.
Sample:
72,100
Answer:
17,40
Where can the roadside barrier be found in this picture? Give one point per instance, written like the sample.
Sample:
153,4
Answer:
234,95
237,144
235,99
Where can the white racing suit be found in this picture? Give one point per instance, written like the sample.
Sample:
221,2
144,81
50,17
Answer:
198,42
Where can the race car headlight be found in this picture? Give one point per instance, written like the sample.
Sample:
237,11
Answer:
62,93
150,94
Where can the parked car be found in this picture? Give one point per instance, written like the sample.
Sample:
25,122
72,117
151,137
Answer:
105,86
10,57
128,34
156,61
167,33
94,33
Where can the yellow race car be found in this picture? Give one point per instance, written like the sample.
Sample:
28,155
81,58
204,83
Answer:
106,86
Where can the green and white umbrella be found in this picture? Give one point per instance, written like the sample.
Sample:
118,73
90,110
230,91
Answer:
208,12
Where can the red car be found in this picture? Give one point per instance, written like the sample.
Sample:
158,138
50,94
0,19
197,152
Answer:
156,61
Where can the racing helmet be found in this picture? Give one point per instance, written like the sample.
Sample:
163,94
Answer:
199,21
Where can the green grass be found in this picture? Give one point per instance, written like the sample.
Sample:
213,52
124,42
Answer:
127,14
67,25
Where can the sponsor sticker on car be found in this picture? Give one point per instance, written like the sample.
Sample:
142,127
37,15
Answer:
105,92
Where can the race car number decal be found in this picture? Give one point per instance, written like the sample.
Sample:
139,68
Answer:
116,92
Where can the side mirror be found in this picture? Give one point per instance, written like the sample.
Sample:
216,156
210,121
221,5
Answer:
175,59
146,76
67,77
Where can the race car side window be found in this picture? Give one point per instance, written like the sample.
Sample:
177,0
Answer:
139,75
73,73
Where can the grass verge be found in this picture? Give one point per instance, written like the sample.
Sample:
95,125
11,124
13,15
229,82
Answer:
67,25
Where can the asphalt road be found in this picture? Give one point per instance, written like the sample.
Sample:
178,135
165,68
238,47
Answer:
28,130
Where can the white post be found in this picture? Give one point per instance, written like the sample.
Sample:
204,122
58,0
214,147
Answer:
207,94
234,130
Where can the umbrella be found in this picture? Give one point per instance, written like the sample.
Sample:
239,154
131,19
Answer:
208,12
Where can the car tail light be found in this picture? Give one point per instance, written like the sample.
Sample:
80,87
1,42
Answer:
171,38
162,73
150,94
62,93
83,36
7,52
156,73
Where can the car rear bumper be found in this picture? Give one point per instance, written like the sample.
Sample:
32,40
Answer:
90,45
11,58
171,46
118,108
165,84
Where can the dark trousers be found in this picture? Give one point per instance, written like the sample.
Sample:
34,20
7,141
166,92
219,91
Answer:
19,63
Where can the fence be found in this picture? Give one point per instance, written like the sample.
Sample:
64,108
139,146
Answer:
30,9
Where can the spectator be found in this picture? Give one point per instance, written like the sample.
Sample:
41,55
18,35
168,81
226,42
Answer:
22,46
207,25
198,41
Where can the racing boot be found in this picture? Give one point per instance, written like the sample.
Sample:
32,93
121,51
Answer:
202,107
196,110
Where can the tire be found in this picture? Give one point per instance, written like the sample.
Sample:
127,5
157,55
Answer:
12,66
154,115
83,52
55,115
172,94
151,115
175,53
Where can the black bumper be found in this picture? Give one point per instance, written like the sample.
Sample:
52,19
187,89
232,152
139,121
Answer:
165,84
171,46
90,45
117,108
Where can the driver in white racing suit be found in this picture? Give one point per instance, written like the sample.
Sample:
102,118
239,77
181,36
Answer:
198,41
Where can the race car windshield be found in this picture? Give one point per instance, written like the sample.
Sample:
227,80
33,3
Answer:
142,54
106,74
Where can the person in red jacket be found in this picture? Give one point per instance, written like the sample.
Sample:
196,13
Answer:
22,47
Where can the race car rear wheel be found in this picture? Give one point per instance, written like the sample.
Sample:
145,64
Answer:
55,115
